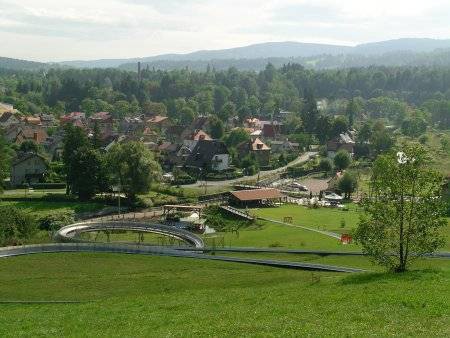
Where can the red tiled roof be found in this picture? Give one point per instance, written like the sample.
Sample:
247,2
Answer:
256,194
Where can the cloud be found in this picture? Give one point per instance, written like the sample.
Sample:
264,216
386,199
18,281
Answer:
85,29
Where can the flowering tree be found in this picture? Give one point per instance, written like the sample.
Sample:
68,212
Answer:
403,211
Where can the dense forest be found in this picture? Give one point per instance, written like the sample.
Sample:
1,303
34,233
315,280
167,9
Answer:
438,58
381,92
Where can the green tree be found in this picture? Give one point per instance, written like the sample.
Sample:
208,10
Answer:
228,110
348,184
29,146
154,108
340,126
216,127
310,113
187,115
5,158
403,212
74,139
133,167
325,165
90,171
381,141
121,109
352,111
342,160
16,226
414,126
236,137
220,97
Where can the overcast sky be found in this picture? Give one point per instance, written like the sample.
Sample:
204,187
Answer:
54,30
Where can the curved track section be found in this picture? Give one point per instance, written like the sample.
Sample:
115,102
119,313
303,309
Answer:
68,233
160,251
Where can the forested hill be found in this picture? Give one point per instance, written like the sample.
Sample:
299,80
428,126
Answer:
16,64
242,57
439,58
401,52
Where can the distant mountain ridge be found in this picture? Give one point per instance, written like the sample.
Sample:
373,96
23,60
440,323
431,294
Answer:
287,49
252,57
16,64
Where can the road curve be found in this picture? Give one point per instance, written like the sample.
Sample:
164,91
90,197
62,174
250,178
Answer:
161,251
299,160
67,233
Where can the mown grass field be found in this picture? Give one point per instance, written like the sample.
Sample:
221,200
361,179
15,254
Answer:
274,235
39,208
322,218
158,296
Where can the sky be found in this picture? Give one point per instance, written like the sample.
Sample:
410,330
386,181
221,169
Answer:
57,30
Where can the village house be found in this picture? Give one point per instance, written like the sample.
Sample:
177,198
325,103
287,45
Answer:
77,119
48,120
271,129
342,142
28,168
199,135
199,123
253,123
256,148
284,146
37,135
158,122
186,149
8,119
209,155
168,153
104,122
32,120
131,125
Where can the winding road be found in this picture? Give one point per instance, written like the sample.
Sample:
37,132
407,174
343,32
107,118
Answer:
299,160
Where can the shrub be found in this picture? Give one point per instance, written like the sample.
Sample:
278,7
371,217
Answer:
16,226
325,165
342,160
57,220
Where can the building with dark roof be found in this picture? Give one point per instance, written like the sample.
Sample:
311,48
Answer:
28,168
210,155
342,142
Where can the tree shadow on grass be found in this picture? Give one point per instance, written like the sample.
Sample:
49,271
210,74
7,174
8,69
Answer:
383,277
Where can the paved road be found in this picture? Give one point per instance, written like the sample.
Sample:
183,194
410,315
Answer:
301,159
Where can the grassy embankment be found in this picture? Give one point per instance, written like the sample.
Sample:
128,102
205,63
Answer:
157,296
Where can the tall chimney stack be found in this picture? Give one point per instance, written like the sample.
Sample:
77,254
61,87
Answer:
139,71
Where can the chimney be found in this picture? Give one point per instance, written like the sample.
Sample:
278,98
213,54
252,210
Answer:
139,71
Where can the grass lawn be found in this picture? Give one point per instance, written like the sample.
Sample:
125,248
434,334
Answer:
160,296
131,237
41,208
274,235
267,234
322,218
